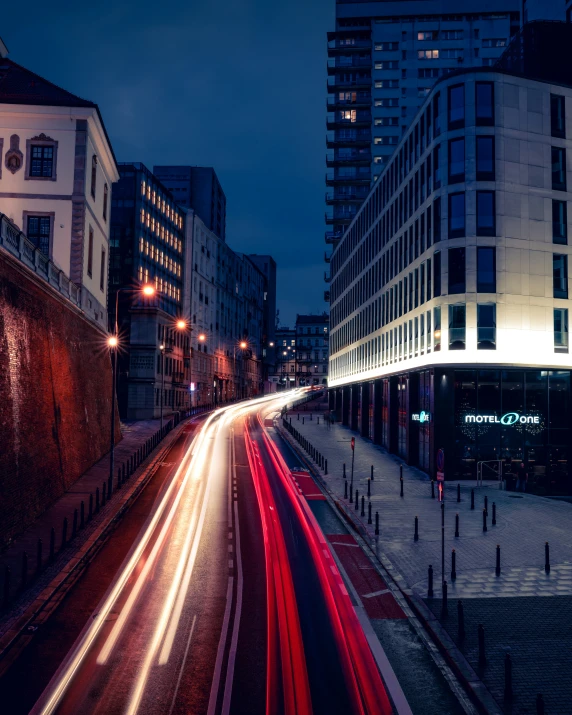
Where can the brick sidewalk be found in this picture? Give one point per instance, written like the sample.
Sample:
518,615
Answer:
524,524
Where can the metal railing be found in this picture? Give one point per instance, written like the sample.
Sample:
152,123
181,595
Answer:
487,468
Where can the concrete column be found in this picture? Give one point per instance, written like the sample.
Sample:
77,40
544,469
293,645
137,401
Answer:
354,410
365,398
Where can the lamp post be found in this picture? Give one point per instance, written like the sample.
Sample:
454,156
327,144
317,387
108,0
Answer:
242,346
179,325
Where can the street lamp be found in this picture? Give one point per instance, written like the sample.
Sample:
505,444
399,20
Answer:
180,325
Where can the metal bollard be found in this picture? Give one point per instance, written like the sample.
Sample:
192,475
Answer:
487,505
90,508
351,492
547,557
325,466
52,543
368,488
345,490
494,514
539,704
444,609
484,520
298,416
103,493
318,419
401,482
456,525
24,575
377,523
432,489
458,492
430,582
303,418
64,532
357,500
345,471
460,621
363,506
371,477
507,677
39,547
6,594
497,567
481,639
416,534
472,499
119,478
369,513
401,470
74,526
453,565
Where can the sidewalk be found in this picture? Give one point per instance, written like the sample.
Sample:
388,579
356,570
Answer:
517,619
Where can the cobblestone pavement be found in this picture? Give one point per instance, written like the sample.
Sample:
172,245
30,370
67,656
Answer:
537,634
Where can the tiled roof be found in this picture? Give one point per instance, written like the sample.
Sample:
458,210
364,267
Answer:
20,86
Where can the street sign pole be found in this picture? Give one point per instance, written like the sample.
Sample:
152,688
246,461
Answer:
353,457
441,483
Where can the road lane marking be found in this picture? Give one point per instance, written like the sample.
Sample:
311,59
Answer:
183,665
375,593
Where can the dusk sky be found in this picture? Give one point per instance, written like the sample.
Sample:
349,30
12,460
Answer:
239,85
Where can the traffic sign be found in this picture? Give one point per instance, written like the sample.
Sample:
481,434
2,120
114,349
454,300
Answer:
353,443
440,460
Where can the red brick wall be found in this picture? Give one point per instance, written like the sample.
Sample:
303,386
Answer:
55,397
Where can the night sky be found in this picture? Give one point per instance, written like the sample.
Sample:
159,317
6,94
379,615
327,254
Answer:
239,85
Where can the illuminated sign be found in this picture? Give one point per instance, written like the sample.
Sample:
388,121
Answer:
421,417
508,419
192,387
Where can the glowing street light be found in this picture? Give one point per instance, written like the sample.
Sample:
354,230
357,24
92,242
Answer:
182,324
242,345
112,341
148,289
202,337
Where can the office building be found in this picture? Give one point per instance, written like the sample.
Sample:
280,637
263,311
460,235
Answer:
312,349
197,188
285,367
383,60
267,266
450,289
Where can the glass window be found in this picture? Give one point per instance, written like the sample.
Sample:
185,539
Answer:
456,215
557,116
437,114
485,103
457,106
437,166
38,232
486,270
486,221
456,160
457,327
437,220
560,330
457,270
42,164
560,275
559,222
558,168
486,327
437,328
485,158
437,274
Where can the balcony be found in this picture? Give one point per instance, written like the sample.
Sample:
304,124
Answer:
341,64
327,278
327,296
354,100
341,215
360,177
348,119
332,237
327,259
356,158
342,45
349,138
339,83
338,197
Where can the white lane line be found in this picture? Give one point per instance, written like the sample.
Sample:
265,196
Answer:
183,665
375,593
343,543
236,625
220,654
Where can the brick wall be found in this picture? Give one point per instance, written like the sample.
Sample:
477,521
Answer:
55,397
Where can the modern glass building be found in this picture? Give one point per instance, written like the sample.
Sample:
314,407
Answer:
450,292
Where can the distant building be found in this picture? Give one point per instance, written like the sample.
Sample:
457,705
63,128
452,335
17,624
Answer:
312,341
148,248
56,171
267,266
285,368
197,188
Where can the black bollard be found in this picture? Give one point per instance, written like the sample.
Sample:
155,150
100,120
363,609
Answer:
119,478
103,493
416,534
487,505
298,417
444,609
458,492
507,677
52,543
74,526
432,489
401,471
497,567
345,490
345,471
460,621
357,500
318,419
377,523
368,488
472,498
453,565
39,547
401,490
6,594
303,418
24,576
363,506
82,514
539,704
494,514
311,418
97,500
456,525
326,466
64,532
369,513
547,557
351,492
90,508
371,477
430,582
481,639
484,519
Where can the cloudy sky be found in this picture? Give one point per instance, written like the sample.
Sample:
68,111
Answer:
234,84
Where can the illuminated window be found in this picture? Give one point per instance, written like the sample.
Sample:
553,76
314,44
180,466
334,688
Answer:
428,54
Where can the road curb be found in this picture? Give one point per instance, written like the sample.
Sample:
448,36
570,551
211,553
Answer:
476,690
45,603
